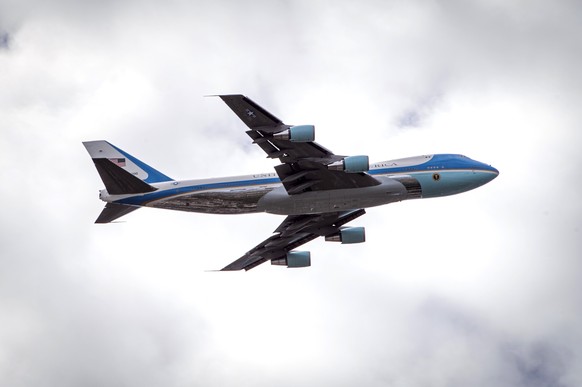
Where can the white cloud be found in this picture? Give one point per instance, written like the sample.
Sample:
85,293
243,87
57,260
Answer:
480,289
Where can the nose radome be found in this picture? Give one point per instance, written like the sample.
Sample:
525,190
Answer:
490,174
493,175
486,167
495,172
484,173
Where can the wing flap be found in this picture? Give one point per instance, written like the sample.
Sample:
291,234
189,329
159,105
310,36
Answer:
308,175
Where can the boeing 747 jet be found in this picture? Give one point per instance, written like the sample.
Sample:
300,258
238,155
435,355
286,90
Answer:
318,191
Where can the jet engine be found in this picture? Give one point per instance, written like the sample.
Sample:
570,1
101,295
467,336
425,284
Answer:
299,133
351,164
348,235
294,259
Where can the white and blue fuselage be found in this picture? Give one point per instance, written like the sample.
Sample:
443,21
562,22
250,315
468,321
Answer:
319,191
409,178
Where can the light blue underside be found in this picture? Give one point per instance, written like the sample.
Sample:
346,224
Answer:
451,182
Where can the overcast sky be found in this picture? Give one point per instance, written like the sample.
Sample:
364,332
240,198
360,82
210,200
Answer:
479,289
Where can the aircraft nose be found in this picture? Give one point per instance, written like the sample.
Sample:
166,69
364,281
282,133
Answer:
489,173
483,173
486,168
494,170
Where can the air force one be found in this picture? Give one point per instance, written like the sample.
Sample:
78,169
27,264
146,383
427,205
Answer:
317,190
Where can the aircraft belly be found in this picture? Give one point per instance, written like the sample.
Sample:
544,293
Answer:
279,202
241,201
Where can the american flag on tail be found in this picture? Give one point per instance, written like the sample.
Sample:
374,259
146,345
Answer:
118,162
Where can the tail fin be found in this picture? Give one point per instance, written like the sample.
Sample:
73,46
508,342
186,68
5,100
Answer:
122,174
104,150
118,181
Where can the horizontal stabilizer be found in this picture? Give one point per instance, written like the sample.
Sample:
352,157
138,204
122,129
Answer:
118,181
114,211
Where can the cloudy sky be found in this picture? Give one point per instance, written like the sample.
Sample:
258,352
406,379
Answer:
480,289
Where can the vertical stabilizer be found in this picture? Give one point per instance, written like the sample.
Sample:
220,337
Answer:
122,159
122,174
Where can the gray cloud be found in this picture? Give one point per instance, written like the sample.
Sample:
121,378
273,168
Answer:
4,40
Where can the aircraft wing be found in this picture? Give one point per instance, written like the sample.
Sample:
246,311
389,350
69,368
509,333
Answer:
305,163
295,231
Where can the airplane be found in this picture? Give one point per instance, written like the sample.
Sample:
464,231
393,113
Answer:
318,191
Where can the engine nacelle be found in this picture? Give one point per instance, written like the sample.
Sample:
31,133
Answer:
348,235
294,259
299,133
351,164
